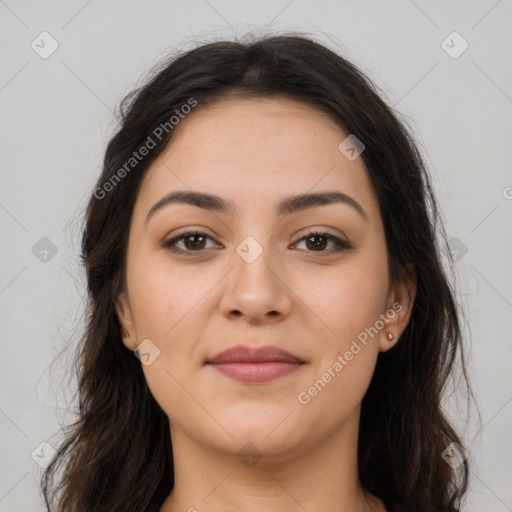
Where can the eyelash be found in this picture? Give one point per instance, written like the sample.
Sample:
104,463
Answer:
169,244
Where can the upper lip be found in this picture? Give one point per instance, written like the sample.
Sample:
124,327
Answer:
246,354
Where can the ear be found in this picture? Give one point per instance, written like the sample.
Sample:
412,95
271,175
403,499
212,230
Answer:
125,317
398,311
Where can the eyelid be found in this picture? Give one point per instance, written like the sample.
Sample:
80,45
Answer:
341,244
180,235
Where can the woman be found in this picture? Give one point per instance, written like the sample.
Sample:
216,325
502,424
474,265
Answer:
262,239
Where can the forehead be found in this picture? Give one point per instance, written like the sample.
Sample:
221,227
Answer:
244,126
256,150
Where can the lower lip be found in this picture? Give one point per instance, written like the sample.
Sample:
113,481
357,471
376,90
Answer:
257,372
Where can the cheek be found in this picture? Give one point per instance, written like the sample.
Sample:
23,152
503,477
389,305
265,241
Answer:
349,302
346,299
166,302
163,295
168,389
171,307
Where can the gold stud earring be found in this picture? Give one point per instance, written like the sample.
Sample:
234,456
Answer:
389,336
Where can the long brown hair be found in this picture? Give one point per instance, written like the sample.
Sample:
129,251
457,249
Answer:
117,456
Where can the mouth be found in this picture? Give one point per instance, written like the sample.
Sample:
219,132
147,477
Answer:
258,365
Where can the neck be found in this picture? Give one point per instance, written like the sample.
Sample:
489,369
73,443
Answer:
313,477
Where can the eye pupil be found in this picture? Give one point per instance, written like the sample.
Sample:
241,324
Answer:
196,244
317,245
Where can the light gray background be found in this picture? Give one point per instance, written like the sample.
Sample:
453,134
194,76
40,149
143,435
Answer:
57,117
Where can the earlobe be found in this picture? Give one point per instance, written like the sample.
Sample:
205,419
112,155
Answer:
124,315
398,312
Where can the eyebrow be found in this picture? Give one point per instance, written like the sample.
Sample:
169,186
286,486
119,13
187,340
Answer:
288,206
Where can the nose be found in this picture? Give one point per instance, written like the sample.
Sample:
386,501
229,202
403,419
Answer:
256,289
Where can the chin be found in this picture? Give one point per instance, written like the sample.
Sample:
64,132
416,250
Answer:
271,428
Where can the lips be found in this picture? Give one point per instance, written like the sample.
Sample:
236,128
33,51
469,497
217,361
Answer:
245,354
255,365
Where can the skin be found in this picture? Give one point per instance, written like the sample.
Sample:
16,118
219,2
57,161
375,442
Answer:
311,302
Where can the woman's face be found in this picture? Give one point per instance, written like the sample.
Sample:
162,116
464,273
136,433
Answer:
255,276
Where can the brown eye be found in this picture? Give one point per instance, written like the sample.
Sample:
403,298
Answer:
191,242
194,242
318,242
